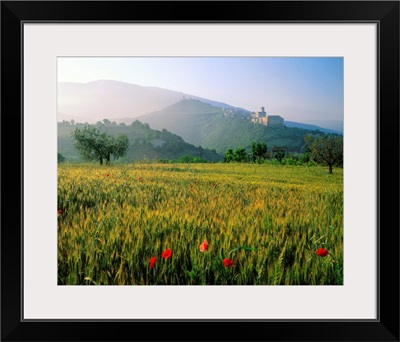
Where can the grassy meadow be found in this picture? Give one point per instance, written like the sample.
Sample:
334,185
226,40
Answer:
143,224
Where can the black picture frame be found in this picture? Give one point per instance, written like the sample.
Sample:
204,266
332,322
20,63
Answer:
14,328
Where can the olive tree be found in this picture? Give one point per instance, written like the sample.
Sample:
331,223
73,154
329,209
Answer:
94,145
326,149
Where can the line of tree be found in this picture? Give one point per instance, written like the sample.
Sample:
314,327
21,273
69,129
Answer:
94,145
326,149
239,155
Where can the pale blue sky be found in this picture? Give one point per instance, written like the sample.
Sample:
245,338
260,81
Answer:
305,88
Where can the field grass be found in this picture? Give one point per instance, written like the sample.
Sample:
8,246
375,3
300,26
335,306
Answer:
269,220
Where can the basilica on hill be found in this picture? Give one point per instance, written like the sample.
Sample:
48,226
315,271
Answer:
267,120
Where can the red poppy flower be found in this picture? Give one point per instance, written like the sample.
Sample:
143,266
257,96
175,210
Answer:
204,246
107,174
140,178
152,262
322,252
167,253
228,262
60,211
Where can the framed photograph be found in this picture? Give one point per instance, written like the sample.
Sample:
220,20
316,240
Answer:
217,162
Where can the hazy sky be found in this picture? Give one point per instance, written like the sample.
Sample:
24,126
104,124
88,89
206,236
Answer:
295,88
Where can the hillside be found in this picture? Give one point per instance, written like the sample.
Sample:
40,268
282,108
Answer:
118,101
220,128
144,143
184,118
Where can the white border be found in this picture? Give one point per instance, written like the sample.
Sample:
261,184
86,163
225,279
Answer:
356,299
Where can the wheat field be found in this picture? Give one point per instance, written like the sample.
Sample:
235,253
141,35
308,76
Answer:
199,224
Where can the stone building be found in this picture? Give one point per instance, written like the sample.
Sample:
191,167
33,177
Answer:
261,117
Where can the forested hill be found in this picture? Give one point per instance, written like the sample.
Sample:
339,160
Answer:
144,143
217,128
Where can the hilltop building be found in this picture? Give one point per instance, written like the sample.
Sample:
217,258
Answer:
261,117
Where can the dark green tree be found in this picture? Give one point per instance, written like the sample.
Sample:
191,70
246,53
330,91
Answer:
279,156
237,156
94,145
240,155
258,151
60,158
228,156
326,149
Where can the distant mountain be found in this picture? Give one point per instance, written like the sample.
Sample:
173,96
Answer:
334,125
66,117
144,143
310,127
115,100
